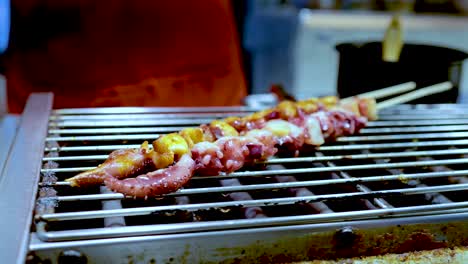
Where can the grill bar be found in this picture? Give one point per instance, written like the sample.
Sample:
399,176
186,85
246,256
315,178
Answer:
133,130
255,187
176,122
433,197
459,142
147,110
106,137
228,225
147,123
246,203
394,123
195,116
120,130
342,139
339,168
118,123
399,137
92,148
240,109
381,203
249,212
303,170
306,159
300,191
303,191
438,143
436,212
76,158
370,156
142,116
422,117
413,129
443,168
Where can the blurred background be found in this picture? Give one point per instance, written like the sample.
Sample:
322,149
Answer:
211,52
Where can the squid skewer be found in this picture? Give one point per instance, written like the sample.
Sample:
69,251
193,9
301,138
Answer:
216,148
126,162
224,146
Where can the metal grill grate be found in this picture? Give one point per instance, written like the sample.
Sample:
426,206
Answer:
411,162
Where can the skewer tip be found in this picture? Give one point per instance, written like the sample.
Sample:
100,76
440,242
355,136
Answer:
430,90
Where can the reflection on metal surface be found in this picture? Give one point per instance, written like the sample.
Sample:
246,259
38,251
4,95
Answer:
272,245
18,181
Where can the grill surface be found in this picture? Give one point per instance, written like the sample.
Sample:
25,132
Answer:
399,185
409,163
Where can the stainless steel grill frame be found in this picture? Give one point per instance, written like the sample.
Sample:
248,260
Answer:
355,169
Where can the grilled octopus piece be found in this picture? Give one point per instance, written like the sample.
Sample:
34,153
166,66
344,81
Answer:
336,124
121,163
229,154
155,183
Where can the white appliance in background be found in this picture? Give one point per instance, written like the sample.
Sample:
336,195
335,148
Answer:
316,59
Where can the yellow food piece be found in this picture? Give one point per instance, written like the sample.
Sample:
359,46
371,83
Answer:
192,135
232,119
352,106
308,106
228,130
207,135
163,160
258,115
279,128
329,101
287,109
173,142
371,108
167,148
145,146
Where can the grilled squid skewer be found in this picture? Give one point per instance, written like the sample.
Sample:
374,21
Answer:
226,146
230,153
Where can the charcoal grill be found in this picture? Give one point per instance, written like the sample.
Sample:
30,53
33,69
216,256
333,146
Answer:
399,186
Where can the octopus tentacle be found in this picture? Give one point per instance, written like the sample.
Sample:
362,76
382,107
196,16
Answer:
120,164
155,183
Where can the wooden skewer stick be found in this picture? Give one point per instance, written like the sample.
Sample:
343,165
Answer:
376,94
433,89
384,92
